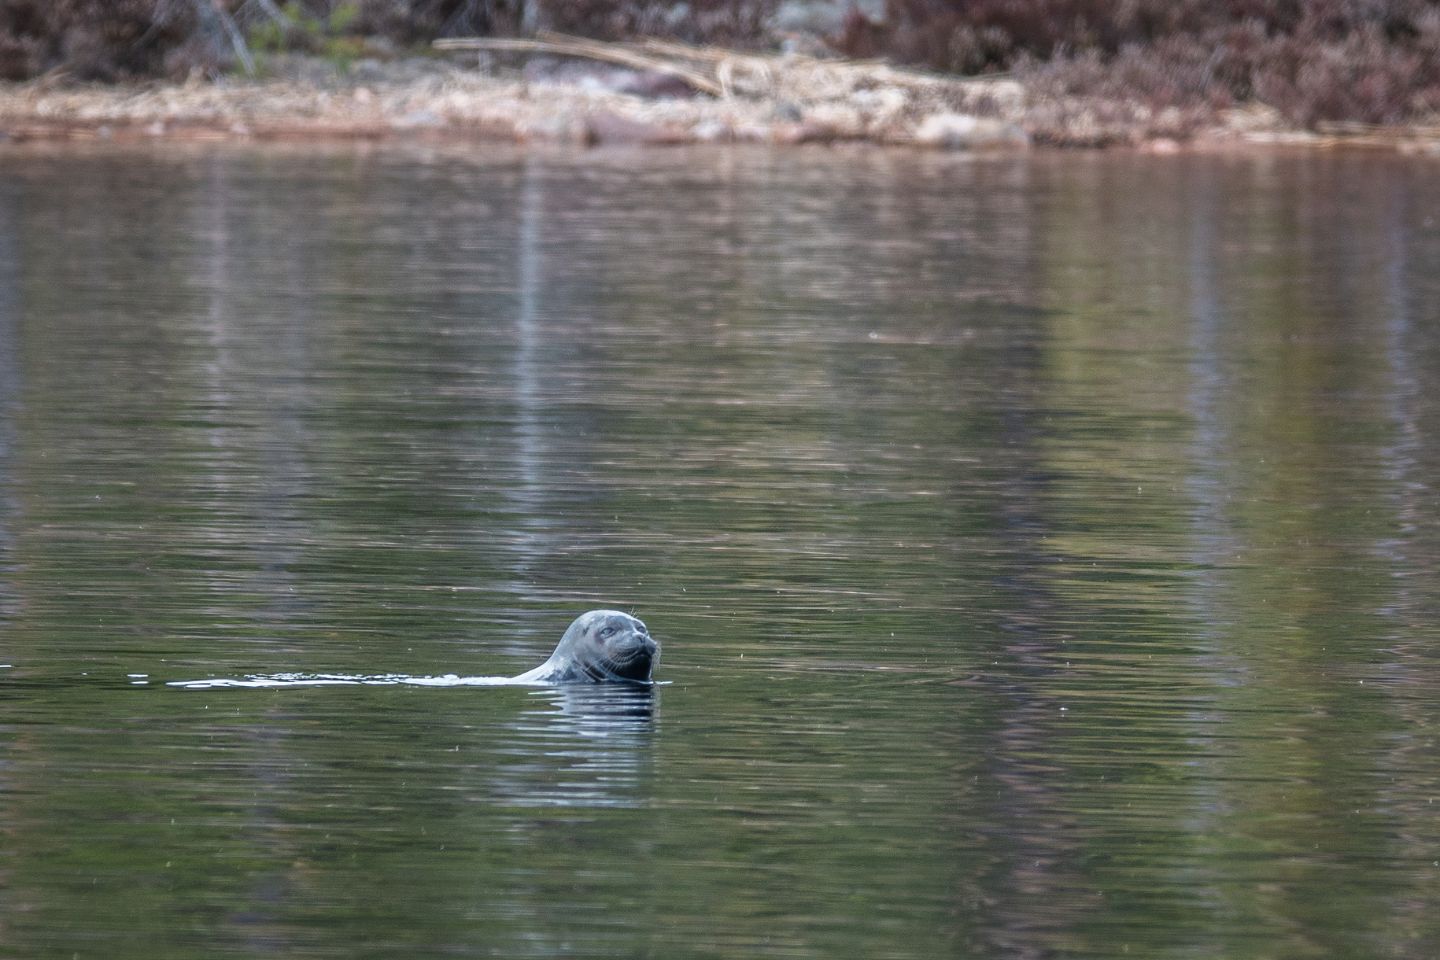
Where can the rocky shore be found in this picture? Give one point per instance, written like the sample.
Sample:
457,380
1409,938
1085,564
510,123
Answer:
655,94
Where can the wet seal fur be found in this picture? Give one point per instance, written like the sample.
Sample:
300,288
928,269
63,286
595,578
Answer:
601,646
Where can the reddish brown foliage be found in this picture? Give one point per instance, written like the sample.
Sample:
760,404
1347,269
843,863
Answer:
115,39
732,22
1370,60
92,39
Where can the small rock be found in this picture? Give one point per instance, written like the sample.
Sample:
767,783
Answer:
792,133
750,133
844,121
711,131
417,119
611,128
654,85
963,131
883,104
787,111
562,128
1004,93
1421,148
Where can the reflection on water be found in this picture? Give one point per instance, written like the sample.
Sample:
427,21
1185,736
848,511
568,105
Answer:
1046,552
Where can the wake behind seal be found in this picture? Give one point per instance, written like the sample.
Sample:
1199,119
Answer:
602,646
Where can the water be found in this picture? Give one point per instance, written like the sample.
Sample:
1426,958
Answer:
1044,552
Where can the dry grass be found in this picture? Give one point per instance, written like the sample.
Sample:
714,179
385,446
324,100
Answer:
764,99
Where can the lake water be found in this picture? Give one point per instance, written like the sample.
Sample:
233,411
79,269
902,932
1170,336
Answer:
1045,553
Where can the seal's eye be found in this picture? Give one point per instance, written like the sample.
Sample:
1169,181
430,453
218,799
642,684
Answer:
606,632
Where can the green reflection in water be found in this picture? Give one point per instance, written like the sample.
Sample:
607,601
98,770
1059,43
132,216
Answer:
1044,553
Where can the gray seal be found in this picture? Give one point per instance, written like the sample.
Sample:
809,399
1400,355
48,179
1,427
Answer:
602,646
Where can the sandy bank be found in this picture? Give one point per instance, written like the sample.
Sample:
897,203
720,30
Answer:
675,95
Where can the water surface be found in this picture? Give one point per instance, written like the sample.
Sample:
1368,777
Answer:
1044,552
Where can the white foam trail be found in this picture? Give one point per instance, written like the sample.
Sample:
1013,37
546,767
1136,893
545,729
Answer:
342,680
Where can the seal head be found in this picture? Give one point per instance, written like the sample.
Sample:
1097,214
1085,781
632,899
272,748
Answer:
601,646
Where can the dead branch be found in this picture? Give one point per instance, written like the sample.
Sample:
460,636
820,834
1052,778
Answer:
589,49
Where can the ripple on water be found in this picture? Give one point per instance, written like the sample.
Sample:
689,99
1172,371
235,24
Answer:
1041,548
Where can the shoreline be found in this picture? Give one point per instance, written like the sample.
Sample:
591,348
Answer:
779,100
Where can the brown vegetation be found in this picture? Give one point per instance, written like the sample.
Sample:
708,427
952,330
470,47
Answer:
122,39
726,22
1374,61
99,39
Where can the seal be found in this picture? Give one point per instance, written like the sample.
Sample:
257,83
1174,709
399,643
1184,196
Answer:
601,646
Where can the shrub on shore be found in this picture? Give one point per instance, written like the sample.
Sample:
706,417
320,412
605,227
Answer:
92,39
129,39
1375,61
